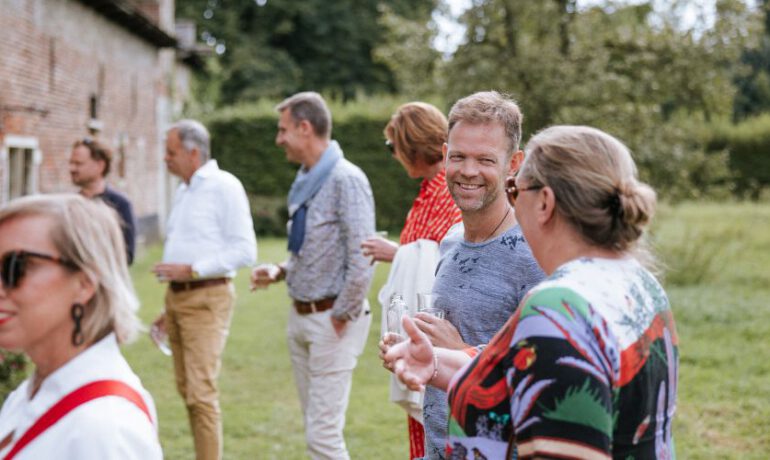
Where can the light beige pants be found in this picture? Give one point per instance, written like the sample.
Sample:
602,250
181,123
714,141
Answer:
197,322
323,369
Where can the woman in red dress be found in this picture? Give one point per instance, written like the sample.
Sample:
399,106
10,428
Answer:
415,136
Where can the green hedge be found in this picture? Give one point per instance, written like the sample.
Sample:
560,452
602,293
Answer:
736,159
13,370
243,142
748,144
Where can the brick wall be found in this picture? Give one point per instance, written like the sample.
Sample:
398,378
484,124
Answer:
55,55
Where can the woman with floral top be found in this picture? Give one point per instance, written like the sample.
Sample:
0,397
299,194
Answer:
587,365
415,136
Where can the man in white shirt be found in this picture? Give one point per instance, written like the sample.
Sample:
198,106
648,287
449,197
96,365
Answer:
209,236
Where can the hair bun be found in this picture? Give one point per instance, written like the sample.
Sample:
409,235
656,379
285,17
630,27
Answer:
614,205
637,203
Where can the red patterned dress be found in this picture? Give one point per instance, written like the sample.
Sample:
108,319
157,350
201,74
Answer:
433,213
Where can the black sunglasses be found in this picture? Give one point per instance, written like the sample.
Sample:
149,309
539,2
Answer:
513,191
13,266
390,146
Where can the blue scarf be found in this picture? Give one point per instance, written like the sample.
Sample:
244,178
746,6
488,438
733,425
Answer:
305,186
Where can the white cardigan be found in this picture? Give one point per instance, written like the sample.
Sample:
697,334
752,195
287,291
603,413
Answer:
413,271
108,427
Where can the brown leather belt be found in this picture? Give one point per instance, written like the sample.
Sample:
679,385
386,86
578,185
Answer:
179,286
316,306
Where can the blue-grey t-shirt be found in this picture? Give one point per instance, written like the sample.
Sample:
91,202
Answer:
479,285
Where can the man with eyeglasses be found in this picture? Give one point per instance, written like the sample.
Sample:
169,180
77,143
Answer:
90,163
486,266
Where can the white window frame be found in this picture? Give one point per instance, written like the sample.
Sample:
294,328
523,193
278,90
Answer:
20,142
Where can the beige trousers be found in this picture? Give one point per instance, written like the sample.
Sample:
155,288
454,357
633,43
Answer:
323,366
198,322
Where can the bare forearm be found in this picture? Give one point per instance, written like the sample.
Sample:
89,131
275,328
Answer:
448,362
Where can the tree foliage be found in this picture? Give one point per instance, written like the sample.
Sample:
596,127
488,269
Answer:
406,50
630,69
272,48
752,79
642,71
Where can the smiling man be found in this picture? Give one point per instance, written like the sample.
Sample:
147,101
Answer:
486,266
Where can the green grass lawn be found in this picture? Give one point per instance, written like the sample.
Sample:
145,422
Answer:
719,287
262,417
718,282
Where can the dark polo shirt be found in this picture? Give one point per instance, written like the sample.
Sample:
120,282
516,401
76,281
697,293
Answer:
123,207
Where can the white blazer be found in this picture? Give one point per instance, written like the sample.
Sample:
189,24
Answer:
413,271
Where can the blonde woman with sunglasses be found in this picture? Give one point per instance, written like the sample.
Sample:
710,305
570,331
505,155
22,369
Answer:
66,300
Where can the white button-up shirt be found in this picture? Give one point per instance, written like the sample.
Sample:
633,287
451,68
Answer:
107,427
210,224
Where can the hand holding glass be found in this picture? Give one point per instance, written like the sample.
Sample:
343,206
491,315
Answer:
378,248
263,275
160,339
425,305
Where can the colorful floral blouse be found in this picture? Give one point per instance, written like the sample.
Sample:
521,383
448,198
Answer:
585,368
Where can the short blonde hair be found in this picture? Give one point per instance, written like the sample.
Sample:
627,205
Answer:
86,233
490,107
594,180
418,131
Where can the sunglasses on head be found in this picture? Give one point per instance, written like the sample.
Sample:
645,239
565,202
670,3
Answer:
13,266
390,146
513,191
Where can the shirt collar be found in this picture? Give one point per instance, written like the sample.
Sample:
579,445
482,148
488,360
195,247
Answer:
209,168
436,183
76,370
106,190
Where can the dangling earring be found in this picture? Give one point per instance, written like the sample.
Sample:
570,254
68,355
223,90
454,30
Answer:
77,313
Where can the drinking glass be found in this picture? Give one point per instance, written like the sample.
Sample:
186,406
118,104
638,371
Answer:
393,315
425,305
160,339
378,234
